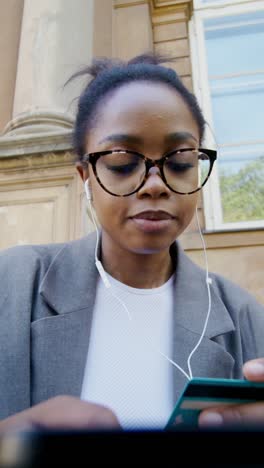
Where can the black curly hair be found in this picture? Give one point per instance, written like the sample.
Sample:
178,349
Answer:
109,74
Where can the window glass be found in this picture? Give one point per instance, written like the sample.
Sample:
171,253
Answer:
241,174
234,48
209,2
235,43
239,114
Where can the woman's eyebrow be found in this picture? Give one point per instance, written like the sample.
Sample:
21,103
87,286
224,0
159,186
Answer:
122,138
175,137
179,137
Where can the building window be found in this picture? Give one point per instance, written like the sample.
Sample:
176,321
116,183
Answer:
228,69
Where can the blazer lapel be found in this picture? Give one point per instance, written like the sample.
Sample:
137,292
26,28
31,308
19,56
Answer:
191,307
60,341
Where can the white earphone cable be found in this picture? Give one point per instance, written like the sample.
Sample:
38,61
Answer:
97,261
208,282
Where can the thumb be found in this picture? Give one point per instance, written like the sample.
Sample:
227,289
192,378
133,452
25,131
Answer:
254,370
250,414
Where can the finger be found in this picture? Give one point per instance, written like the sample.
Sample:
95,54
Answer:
246,414
62,412
67,411
254,370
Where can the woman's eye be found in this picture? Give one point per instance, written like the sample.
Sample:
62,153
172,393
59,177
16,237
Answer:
178,166
122,169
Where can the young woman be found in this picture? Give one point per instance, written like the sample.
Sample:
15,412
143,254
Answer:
107,330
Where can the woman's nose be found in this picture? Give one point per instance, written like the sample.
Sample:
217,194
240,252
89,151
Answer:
154,186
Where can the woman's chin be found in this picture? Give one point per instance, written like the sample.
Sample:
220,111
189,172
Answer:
142,242
150,246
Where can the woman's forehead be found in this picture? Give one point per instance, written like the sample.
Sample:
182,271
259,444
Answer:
140,106
136,95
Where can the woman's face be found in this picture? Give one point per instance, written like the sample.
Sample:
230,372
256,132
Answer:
152,119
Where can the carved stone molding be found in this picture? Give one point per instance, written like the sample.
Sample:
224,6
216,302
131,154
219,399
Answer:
36,132
129,3
38,121
165,11
35,144
36,161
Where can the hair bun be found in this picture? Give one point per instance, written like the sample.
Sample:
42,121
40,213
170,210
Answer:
101,64
151,58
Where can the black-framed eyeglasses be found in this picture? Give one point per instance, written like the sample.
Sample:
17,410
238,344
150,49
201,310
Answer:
122,173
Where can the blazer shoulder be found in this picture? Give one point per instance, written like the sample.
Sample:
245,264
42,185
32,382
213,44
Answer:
24,257
27,261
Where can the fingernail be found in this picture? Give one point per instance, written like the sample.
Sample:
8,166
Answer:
256,368
211,419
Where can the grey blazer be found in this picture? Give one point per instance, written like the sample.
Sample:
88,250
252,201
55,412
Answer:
47,296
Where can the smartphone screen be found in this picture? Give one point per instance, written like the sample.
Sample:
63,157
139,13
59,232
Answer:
202,393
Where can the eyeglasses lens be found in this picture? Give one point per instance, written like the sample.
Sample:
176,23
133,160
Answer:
122,172
186,171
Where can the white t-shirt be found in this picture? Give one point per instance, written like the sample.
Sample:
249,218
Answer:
125,370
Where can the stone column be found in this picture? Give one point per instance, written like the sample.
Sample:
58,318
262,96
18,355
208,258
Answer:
56,40
10,24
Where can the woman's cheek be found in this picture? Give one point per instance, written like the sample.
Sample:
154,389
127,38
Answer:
187,211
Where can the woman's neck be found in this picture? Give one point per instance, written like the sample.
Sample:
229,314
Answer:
144,271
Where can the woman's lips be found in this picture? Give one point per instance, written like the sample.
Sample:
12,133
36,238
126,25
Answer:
152,221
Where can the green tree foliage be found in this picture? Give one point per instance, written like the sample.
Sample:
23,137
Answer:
243,193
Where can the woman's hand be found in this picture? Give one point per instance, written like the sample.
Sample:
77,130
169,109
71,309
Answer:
62,412
245,414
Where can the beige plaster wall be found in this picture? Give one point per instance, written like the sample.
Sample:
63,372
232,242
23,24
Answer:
41,200
132,30
243,265
103,28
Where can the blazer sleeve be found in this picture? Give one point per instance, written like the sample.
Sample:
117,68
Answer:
252,329
20,270
247,315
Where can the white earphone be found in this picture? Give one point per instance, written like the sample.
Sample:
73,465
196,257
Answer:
87,189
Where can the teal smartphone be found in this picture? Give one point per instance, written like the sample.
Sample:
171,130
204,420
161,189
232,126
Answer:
202,393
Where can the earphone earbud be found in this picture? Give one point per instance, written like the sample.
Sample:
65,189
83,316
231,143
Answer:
87,190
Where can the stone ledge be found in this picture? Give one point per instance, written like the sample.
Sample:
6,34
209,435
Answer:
169,11
36,161
20,145
37,131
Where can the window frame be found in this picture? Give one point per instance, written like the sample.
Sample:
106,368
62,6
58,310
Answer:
211,191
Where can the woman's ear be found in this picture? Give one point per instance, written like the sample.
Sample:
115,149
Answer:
82,168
